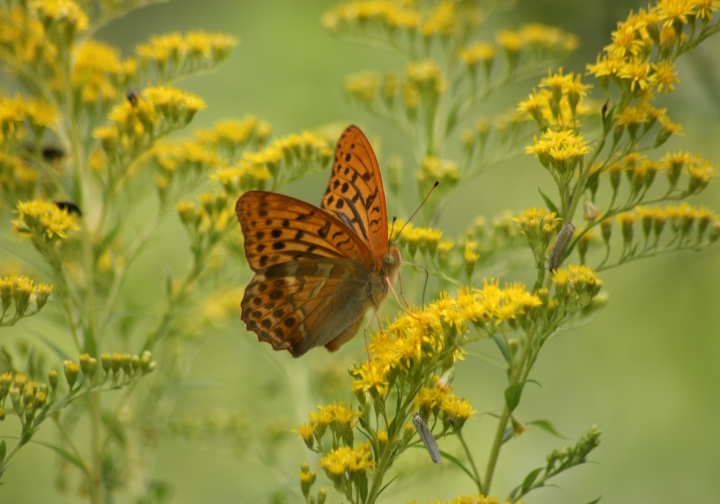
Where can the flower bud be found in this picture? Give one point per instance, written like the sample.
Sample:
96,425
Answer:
72,371
53,379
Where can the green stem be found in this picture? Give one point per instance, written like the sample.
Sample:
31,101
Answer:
469,456
502,424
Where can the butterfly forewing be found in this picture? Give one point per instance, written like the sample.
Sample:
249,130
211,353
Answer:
280,229
355,192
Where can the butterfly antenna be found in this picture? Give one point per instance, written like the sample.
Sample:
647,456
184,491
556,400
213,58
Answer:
427,276
437,183
392,226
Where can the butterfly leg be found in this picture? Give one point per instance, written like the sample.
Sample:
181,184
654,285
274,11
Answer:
374,316
392,289
402,294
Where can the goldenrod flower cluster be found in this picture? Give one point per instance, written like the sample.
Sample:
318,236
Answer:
346,464
26,397
436,400
46,225
539,226
409,368
575,287
434,336
182,164
640,63
173,54
34,402
100,76
134,127
119,368
454,259
24,118
277,164
663,229
21,292
207,221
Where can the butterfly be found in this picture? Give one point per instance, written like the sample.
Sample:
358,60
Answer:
318,270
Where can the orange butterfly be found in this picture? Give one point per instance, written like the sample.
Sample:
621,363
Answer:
318,270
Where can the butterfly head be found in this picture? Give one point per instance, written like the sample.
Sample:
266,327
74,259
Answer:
391,261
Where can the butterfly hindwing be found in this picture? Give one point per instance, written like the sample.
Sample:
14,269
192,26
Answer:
301,305
355,192
280,229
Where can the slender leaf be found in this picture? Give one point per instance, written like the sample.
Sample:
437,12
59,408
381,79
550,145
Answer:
3,450
513,394
168,281
507,435
547,426
595,501
67,456
387,485
500,342
459,464
548,202
530,479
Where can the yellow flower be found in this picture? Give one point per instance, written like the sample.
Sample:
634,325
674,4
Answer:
44,219
455,411
666,76
349,459
637,71
236,131
441,20
510,40
61,11
479,51
426,73
362,87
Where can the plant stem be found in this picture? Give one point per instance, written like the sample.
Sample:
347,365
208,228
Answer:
502,423
468,454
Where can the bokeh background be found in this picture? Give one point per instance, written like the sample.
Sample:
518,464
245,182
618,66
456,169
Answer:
646,369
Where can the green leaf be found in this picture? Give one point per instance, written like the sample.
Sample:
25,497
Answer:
595,501
530,479
507,435
387,485
168,281
547,426
452,119
500,342
67,456
6,357
363,487
513,393
592,179
59,352
3,450
548,202
460,465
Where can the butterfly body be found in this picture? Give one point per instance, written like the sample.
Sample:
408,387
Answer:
318,270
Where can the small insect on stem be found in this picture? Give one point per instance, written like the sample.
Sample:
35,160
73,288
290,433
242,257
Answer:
557,254
427,438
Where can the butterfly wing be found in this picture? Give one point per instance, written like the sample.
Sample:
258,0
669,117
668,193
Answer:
355,192
280,229
300,305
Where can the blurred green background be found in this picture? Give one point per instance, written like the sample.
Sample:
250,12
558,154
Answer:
646,370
